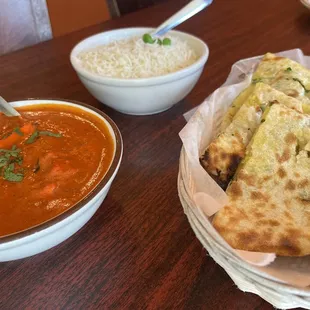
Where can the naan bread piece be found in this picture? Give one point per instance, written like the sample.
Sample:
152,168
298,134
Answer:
235,106
269,198
284,75
281,73
224,154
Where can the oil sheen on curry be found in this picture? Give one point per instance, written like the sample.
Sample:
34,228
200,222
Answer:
50,158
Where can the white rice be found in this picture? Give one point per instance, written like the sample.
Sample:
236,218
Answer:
132,58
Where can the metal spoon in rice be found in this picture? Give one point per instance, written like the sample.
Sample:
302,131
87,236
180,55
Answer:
7,109
185,13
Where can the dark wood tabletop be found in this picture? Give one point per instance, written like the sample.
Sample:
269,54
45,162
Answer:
138,251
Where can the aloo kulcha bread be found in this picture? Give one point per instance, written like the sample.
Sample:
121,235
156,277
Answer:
224,154
269,197
236,105
284,75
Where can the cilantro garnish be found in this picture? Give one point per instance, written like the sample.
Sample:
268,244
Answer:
17,130
8,159
257,80
50,134
299,81
33,137
38,134
12,176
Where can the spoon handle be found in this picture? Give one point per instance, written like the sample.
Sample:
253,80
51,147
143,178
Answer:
7,109
185,13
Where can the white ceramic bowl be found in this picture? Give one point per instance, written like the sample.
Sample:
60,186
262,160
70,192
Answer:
140,96
52,232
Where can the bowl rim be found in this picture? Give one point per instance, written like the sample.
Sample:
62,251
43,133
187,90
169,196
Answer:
93,193
138,81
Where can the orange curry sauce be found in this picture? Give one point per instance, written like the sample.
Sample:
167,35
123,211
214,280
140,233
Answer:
57,172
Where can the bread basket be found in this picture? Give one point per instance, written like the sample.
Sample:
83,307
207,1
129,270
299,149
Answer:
247,277
284,282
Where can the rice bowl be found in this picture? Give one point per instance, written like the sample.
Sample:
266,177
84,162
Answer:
140,96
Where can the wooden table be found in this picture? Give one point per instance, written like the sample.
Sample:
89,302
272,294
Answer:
139,251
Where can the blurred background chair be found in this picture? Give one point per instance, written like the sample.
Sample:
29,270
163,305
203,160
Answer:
70,15
23,23
128,6
28,22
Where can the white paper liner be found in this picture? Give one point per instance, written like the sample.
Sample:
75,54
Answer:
203,124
